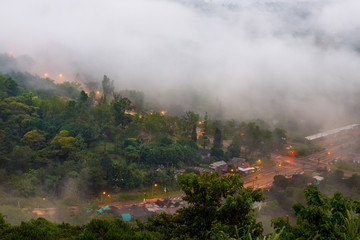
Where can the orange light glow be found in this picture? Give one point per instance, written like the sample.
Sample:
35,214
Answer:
104,193
46,75
60,75
108,195
162,112
98,92
155,185
199,122
329,153
278,157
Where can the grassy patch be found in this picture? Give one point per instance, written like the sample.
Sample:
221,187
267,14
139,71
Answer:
303,150
348,166
138,194
99,146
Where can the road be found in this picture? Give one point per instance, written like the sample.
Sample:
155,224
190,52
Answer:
337,148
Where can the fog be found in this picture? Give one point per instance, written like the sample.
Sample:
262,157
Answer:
236,59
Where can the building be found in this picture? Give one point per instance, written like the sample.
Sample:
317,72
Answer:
220,165
239,162
333,132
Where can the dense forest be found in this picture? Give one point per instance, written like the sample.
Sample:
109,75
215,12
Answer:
61,135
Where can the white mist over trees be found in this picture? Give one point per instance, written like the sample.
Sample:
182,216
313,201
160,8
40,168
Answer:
266,59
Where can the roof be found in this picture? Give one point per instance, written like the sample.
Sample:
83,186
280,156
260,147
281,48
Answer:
217,164
237,161
245,169
330,132
319,178
126,216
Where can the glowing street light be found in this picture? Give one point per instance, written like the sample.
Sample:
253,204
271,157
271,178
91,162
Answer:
98,92
152,190
162,113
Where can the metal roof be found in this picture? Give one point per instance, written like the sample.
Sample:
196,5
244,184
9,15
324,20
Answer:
217,164
331,132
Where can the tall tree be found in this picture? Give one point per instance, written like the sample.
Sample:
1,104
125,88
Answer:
108,86
120,106
204,138
216,150
194,134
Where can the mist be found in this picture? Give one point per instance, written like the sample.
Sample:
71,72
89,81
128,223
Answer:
236,59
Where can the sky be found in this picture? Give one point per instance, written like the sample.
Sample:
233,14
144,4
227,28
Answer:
236,59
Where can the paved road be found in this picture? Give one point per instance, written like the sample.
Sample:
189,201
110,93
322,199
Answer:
336,148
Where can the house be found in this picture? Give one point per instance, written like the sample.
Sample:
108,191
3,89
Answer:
239,162
246,170
220,165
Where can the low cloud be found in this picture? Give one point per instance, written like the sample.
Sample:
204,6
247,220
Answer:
253,59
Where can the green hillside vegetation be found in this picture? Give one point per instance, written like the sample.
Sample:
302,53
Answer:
60,139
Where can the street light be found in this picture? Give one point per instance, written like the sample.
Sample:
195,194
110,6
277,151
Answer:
101,196
152,190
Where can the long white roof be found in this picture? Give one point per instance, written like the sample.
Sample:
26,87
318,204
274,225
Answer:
330,132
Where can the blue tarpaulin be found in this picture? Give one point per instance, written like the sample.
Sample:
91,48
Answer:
126,216
101,210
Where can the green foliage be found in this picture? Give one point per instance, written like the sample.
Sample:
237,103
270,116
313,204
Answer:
62,143
15,215
34,139
216,150
305,150
322,217
214,203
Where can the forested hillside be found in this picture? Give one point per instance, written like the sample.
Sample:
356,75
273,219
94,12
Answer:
60,138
